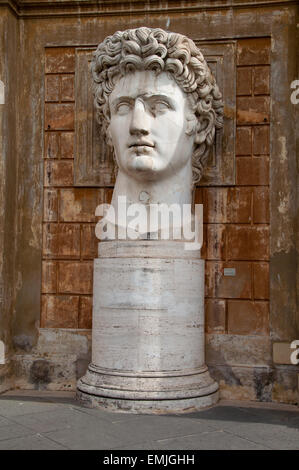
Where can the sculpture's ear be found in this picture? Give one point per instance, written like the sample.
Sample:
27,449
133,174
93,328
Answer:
205,127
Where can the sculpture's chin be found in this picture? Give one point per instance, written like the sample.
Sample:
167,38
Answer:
141,163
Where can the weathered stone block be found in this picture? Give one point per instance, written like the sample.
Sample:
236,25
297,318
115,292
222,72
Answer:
51,145
215,315
69,342
227,205
215,241
60,59
52,88
59,116
244,81
248,242
61,240
239,205
50,240
261,280
79,205
59,311
253,51
49,277
75,277
248,318
57,372
67,88
252,171
215,205
261,205
253,109
285,384
282,353
59,173
261,80
69,240
89,242
261,140
238,350
230,287
67,145
50,205
244,141
85,312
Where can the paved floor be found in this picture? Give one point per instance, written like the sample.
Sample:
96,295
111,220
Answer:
54,420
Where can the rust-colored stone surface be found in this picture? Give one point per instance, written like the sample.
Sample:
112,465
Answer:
49,277
248,243
261,140
261,280
75,277
261,83
59,116
85,312
252,171
244,81
261,205
215,316
59,311
253,52
248,318
79,205
243,141
236,218
253,109
58,173
60,60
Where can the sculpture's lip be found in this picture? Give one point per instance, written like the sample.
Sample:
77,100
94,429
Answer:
141,144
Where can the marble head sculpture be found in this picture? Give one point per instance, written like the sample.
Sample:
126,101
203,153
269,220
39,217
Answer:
157,102
159,106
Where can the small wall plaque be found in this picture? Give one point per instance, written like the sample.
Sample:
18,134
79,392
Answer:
229,271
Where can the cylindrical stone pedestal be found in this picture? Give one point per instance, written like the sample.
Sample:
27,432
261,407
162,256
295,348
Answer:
148,330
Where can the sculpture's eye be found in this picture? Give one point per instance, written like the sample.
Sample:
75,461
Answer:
123,108
159,106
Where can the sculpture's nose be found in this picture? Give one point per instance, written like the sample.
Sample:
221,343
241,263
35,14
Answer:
140,120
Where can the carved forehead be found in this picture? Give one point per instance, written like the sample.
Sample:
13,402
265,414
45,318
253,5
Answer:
147,83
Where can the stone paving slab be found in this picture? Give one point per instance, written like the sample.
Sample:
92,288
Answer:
214,440
34,442
52,420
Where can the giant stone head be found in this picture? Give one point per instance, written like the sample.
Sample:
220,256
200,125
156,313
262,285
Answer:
157,101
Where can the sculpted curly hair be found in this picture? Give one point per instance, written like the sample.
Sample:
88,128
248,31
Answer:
161,51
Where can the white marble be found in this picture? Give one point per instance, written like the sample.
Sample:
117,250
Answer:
148,329
152,138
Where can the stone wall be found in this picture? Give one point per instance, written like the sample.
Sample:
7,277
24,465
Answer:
9,28
55,242
236,217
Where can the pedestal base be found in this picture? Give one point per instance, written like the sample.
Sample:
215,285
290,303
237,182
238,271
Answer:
148,331
175,392
178,406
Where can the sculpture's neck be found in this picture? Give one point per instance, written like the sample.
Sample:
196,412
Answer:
176,188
